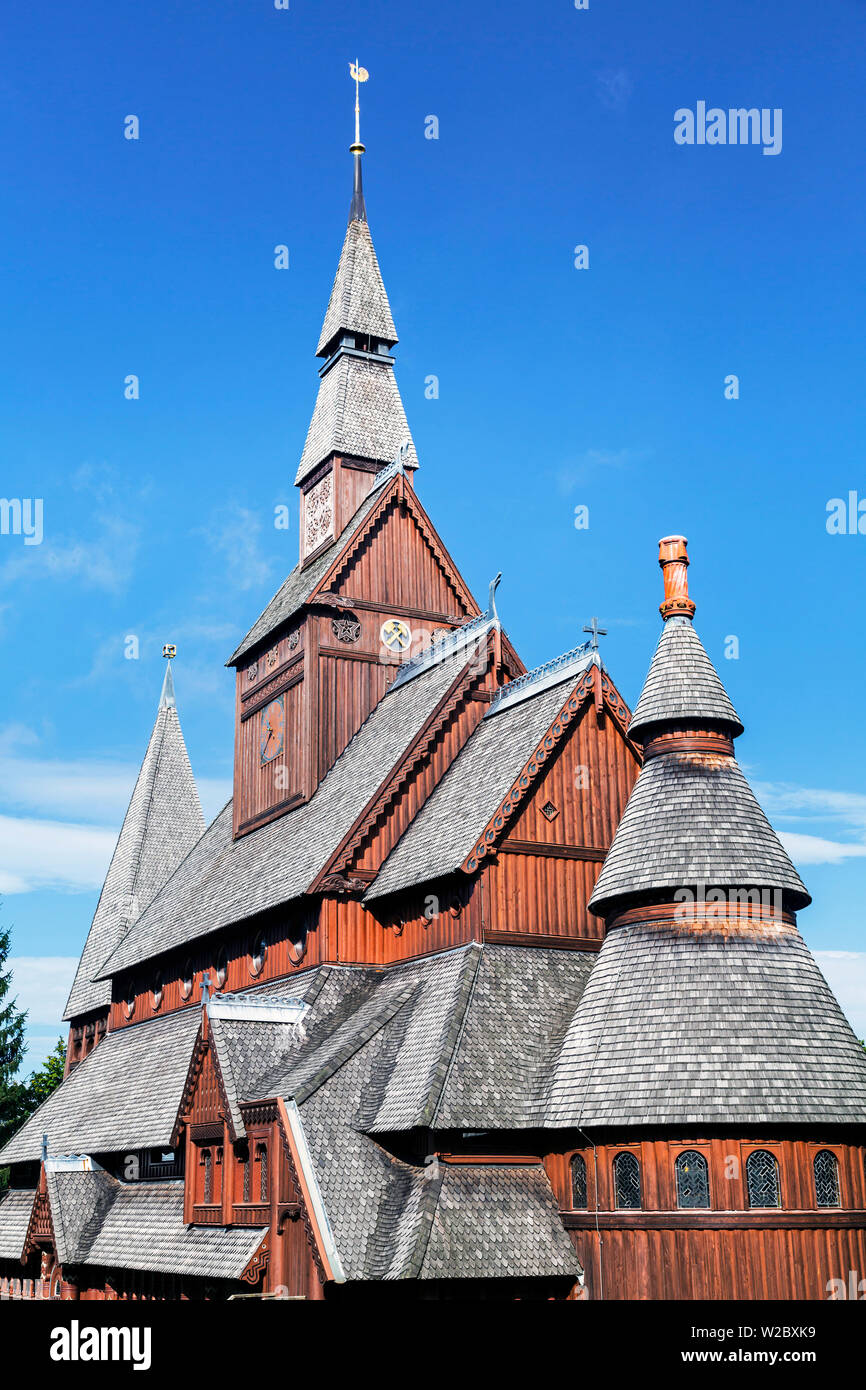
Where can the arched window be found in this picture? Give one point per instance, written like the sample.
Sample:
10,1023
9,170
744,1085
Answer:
221,969
762,1179
262,1160
578,1182
129,1002
826,1171
206,1161
187,980
626,1176
693,1179
258,955
156,991
247,1165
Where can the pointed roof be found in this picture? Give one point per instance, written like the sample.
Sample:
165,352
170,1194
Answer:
692,820
682,684
161,825
224,881
358,303
482,782
735,1026
358,412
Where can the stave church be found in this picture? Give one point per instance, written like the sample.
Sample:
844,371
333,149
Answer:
482,986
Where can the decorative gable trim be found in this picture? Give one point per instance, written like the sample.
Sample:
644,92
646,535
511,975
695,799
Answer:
313,1213
41,1223
202,1049
258,1262
397,491
593,683
416,753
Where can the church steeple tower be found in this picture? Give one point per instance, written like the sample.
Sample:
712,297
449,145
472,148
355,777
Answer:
359,424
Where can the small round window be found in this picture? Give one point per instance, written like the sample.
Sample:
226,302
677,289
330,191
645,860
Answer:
221,969
258,956
187,980
156,992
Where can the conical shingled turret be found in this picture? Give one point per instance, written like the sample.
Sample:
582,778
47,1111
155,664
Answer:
705,1005
358,411
161,825
692,821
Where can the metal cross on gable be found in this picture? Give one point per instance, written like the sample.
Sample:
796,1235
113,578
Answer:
596,631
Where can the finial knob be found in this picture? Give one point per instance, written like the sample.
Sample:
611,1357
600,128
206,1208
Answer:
674,562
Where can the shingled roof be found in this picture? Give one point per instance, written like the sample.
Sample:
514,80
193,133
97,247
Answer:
682,684
693,821
226,880
162,823
358,412
100,1221
111,1100
446,828
358,302
385,1064
732,1027
15,1210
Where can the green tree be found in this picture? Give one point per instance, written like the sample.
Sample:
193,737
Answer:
15,1095
49,1075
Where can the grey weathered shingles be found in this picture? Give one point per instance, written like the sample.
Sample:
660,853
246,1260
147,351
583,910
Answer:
706,1027
15,1210
682,684
451,820
693,820
497,1222
358,412
140,1226
522,1005
226,880
161,825
125,1094
358,302
79,1203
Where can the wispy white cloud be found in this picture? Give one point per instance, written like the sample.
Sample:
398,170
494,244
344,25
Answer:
614,87
104,561
845,972
41,985
579,470
235,534
52,854
828,826
814,849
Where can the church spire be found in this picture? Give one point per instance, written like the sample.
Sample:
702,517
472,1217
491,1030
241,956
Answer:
359,414
357,210
161,825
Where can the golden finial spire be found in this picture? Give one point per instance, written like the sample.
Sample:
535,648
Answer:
357,211
360,75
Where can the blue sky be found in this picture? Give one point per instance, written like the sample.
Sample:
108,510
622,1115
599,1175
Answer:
558,387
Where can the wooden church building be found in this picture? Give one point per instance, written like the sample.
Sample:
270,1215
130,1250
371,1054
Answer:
481,986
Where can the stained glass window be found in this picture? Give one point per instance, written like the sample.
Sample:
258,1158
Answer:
762,1178
826,1179
626,1174
578,1182
262,1156
207,1161
693,1180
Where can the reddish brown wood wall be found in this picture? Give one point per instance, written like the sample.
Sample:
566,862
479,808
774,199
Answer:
730,1250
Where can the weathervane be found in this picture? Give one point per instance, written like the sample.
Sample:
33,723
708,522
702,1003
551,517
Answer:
596,631
360,75
169,650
